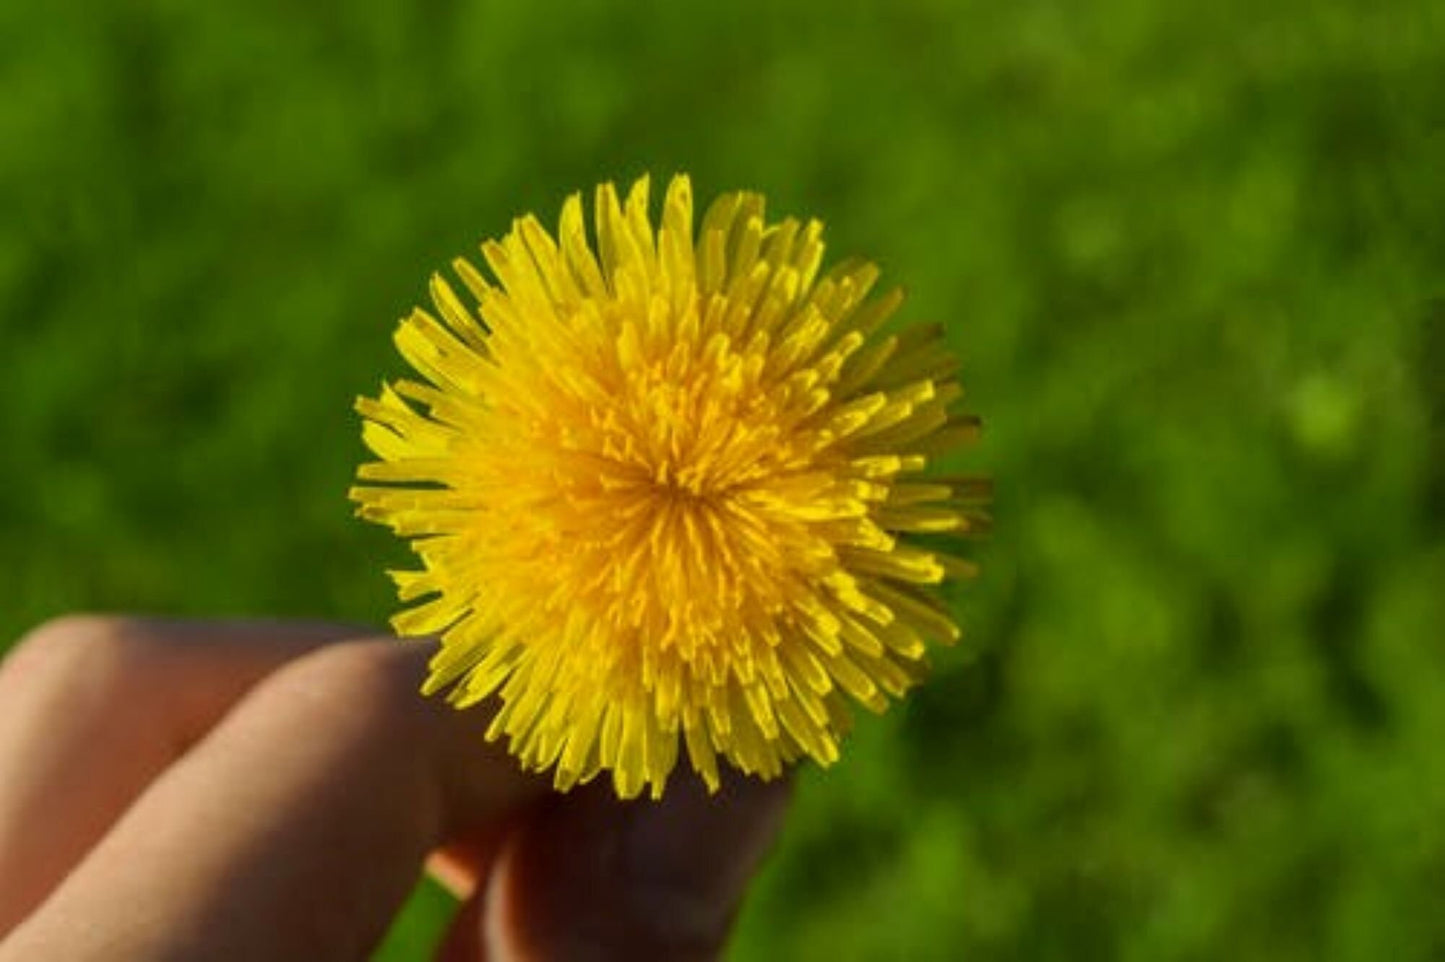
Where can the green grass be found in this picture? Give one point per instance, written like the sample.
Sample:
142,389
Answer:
1193,257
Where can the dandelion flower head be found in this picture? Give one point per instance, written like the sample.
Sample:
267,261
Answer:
664,489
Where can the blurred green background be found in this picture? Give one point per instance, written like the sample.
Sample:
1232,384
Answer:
1193,256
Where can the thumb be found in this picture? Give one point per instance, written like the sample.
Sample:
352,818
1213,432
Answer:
592,878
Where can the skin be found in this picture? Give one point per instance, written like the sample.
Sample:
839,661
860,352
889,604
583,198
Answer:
266,790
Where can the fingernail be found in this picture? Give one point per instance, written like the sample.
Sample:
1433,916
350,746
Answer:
686,861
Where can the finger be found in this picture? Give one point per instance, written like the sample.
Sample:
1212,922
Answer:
461,865
294,830
92,708
592,878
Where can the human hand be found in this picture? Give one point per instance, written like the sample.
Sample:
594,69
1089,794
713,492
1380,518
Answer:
265,790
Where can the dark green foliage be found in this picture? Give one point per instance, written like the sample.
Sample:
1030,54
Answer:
1193,256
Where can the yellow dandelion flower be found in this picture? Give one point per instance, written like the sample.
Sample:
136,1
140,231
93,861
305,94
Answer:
662,495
